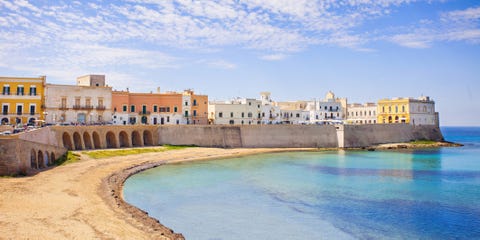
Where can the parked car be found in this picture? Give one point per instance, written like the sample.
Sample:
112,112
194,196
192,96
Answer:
6,133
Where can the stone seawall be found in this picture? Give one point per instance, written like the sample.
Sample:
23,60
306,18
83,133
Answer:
19,156
34,150
255,136
373,134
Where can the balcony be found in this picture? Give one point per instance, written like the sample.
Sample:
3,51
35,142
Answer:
144,113
63,107
82,107
100,108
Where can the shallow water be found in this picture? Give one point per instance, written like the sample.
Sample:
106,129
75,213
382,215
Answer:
427,194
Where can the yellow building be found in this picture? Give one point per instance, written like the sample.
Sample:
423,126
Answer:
21,99
415,111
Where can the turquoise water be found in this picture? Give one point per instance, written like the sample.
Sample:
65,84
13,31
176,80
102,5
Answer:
421,194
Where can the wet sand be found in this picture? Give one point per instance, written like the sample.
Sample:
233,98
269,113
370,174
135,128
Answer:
83,200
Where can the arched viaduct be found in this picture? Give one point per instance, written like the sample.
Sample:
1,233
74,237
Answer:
101,137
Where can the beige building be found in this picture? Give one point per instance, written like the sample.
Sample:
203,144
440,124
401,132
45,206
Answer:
88,102
362,113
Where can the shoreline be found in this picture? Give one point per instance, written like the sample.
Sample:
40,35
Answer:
85,199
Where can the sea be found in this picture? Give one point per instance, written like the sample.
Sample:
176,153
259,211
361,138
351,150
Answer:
394,194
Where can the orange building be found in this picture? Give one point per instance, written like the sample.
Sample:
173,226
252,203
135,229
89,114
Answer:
159,108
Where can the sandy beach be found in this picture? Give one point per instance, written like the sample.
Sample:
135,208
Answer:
83,200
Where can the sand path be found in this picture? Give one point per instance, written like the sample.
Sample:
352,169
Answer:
70,201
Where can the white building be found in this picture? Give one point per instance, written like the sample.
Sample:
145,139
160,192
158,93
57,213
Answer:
83,104
245,111
362,113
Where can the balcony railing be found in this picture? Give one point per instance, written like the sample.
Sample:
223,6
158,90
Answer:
82,107
144,112
100,108
63,107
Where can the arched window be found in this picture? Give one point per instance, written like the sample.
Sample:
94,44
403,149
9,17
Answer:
403,108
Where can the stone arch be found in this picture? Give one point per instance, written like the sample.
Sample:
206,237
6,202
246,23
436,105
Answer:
111,140
147,138
123,139
52,158
77,140
33,159
96,140
87,140
67,141
40,161
47,158
136,140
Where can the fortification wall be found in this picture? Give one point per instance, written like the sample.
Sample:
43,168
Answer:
254,136
296,136
372,134
27,152
19,156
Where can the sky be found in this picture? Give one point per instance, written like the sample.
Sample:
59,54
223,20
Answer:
364,50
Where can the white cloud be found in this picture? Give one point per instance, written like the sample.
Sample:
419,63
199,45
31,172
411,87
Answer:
273,57
222,64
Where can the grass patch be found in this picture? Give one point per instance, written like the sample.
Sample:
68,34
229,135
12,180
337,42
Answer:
131,151
423,142
67,158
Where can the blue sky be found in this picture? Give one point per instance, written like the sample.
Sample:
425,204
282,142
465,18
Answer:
364,50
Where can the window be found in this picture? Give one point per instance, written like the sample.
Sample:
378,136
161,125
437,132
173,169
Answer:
403,108
6,90
298,115
231,114
175,109
155,108
20,90
32,109
168,118
5,109
124,108
263,114
77,101
249,103
19,109
258,106
64,102
100,102
396,109
144,109
186,113
33,90
132,108
249,114
220,114
164,109
232,122
194,102
186,103
243,114
194,113
88,102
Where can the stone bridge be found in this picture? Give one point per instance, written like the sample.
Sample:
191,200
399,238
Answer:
100,137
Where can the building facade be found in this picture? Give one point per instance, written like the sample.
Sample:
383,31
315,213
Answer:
22,100
159,108
244,111
362,113
419,111
87,103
